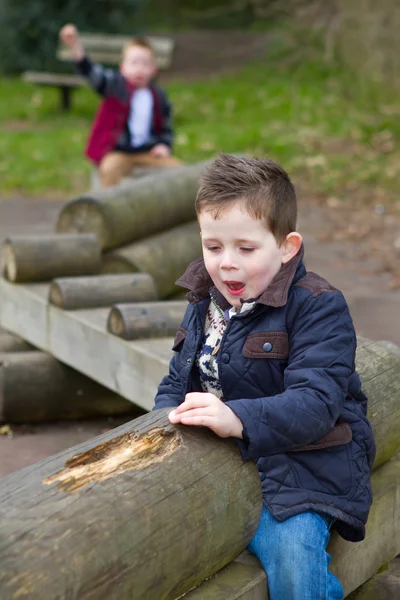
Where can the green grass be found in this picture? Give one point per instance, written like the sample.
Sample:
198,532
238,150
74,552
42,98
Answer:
334,134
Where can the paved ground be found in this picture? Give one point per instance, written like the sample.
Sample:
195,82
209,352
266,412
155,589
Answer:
346,264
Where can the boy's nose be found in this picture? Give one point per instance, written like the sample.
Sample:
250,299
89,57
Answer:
227,261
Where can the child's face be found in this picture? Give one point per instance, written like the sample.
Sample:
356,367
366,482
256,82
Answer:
241,255
138,66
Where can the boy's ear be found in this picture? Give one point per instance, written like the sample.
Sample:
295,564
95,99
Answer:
291,246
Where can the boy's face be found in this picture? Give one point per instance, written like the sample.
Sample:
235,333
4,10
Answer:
241,255
138,66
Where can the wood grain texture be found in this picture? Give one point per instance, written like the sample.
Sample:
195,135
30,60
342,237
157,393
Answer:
35,387
40,258
71,293
165,256
146,511
136,209
146,320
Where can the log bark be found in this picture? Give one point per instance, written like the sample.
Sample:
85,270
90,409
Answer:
353,564
35,387
40,258
134,210
146,511
13,343
102,290
379,366
146,320
164,256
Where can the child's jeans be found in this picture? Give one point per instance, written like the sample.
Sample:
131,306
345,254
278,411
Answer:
293,555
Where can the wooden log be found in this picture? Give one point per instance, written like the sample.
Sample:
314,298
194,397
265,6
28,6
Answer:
101,290
35,387
145,511
146,320
13,343
40,258
379,367
164,256
354,564
134,210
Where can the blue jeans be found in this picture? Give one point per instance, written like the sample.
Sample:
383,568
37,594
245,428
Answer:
293,555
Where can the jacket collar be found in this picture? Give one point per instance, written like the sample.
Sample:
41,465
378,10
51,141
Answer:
200,285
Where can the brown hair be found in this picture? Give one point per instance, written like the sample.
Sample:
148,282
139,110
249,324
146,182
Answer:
141,42
262,185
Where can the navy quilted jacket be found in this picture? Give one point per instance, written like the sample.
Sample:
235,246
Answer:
287,371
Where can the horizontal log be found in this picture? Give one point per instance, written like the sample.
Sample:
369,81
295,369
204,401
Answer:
13,343
136,209
101,290
80,339
35,387
146,320
146,511
379,366
164,256
353,564
41,258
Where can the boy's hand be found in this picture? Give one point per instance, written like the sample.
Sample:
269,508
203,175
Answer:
161,151
209,411
69,34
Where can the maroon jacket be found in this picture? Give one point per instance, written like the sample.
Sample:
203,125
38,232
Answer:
109,130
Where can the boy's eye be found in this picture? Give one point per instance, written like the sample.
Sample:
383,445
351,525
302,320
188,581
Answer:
247,249
212,248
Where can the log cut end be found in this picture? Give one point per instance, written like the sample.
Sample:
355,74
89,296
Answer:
84,215
115,322
128,452
55,295
9,262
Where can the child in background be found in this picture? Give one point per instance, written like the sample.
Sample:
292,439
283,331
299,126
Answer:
133,125
266,355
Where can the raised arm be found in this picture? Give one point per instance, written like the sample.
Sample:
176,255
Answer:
105,82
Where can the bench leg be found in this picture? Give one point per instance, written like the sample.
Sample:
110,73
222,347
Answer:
65,97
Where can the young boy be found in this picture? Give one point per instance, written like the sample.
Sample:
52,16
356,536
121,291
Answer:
133,125
265,354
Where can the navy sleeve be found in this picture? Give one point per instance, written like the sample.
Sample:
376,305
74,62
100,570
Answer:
105,82
322,345
170,391
167,134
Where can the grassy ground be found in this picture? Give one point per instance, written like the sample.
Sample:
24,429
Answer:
337,136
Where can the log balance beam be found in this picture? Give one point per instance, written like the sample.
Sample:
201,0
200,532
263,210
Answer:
149,511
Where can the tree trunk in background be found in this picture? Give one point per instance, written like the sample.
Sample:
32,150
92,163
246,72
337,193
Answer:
128,212
102,290
35,387
40,258
164,256
144,512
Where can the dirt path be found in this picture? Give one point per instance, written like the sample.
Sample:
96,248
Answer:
347,260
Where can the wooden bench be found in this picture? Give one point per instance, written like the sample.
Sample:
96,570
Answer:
101,48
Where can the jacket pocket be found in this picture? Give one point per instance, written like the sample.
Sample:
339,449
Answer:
339,435
267,344
179,339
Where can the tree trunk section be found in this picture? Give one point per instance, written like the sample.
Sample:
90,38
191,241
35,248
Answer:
128,212
101,290
164,256
40,258
35,387
12,343
146,511
379,366
143,320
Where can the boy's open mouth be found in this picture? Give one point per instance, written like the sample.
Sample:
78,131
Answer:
235,287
